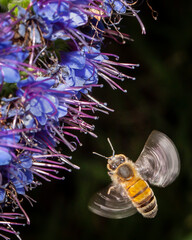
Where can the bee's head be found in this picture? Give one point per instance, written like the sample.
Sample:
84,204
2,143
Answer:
115,161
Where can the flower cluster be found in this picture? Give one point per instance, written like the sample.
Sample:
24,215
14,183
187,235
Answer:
50,59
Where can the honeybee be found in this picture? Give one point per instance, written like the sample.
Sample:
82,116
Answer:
129,192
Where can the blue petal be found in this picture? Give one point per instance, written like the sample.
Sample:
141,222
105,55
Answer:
76,19
10,75
9,99
25,82
50,12
20,56
22,30
45,106
12,138
62,111
28,121
75,59
20,180
45,82
5,44
42,119
58,33
35,107
22,12
29,176
5,157
2,195
20,190
26,161
79,82
119,7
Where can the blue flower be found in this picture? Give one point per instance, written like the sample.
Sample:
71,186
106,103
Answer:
6,25
66,13
2,194
4,179
116,5
60,17
82,72
11,56
11,169
39,103
72,62
44,99
25,27
20,173
7,142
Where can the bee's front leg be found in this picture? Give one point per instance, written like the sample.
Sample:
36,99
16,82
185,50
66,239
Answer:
110,173
110,189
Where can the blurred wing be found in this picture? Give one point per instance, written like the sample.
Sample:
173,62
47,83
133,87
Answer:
159,161
112,205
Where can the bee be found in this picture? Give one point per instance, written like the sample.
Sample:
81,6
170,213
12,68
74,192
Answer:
129,192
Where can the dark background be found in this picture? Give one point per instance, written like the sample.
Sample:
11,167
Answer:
160,98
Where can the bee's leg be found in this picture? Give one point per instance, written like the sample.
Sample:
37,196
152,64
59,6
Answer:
110,173
110,189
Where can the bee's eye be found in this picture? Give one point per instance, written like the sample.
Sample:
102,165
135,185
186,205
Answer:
113,167
122,160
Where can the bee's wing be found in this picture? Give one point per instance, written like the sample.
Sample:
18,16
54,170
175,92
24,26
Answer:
111,205
159,161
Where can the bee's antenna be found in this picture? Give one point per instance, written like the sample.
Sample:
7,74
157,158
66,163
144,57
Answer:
113,151
100,155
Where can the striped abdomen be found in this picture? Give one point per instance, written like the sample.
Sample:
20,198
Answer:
142,197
